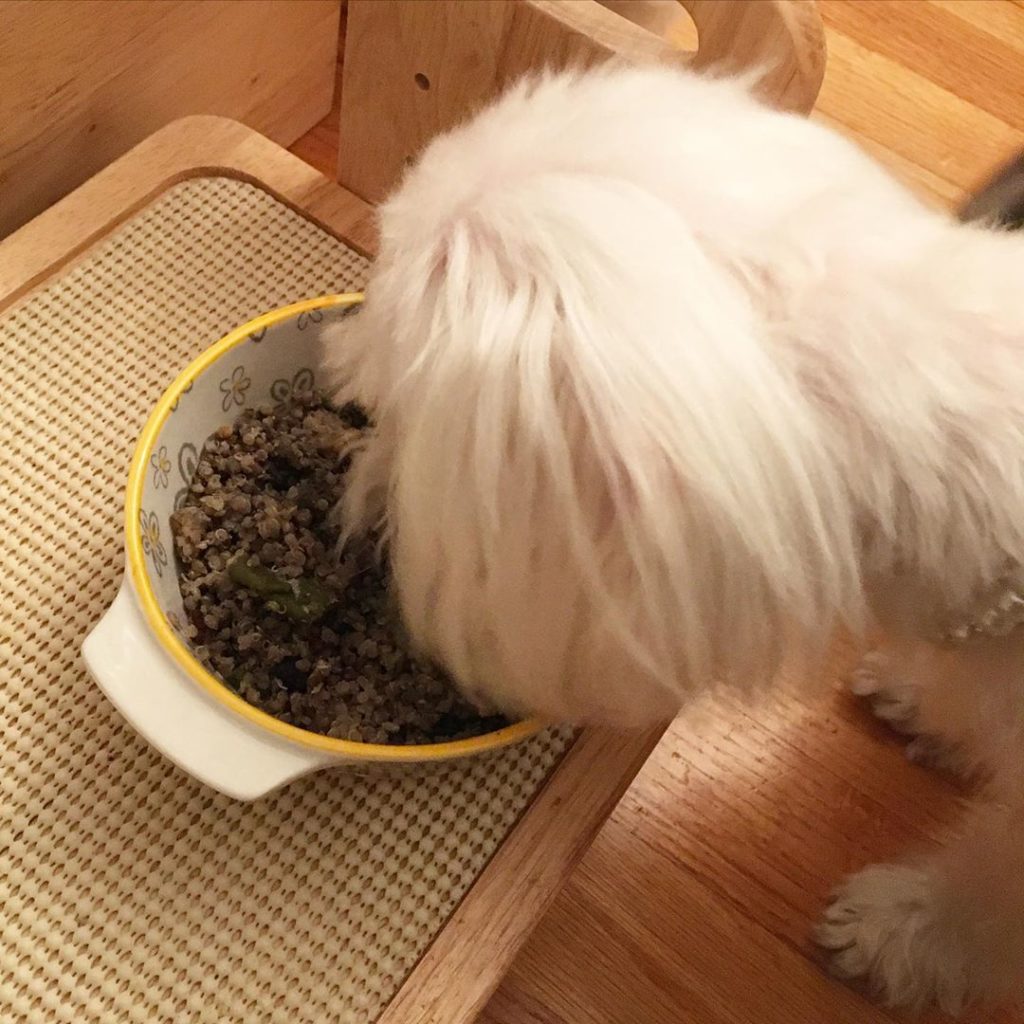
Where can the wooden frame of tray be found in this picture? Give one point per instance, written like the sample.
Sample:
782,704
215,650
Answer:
476,945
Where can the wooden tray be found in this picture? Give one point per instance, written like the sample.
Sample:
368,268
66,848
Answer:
471,948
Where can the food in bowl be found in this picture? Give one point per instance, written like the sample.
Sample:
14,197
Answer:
310,638
138,652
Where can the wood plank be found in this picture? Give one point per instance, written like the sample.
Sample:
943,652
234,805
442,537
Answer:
319,146
81,81
1002,21
940,45
694,904
187,148
911,116
510,897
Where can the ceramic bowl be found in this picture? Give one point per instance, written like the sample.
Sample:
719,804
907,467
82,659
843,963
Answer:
136,652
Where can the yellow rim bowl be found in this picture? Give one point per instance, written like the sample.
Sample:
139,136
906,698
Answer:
179,651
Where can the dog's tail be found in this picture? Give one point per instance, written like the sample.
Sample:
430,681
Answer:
604,478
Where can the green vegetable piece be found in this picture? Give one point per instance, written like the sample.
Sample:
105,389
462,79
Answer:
303,600
306,602
256,578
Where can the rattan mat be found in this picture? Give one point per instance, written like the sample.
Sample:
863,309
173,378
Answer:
128,892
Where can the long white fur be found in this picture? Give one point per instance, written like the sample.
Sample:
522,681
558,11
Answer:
664,382
665,385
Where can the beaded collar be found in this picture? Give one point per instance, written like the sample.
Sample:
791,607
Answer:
996,613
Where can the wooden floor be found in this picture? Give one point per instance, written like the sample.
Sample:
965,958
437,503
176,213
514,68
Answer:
694,904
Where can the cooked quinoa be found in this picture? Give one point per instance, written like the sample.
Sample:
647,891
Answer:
311,640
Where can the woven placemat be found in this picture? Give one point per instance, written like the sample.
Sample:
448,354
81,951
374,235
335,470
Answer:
128,891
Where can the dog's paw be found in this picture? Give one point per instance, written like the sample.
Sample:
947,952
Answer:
942,756
890,698
884,928
896,702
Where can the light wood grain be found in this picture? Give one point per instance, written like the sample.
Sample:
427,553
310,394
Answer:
189,147
415,69
483,936
932,87
695,902
665,18
81,81
319,146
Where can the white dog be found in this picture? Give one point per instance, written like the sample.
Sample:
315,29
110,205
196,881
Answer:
667,385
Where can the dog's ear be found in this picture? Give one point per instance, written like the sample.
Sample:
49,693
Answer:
603,483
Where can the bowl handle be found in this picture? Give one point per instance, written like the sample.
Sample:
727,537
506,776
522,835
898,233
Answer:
209,741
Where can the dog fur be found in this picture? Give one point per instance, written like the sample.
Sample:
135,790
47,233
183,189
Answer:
666,386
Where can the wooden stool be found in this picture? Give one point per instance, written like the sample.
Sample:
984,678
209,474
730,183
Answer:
414,68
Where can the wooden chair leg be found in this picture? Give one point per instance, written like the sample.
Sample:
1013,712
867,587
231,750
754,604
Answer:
414,68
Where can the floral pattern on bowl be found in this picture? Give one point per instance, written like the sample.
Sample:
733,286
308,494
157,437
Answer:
266,367
138,652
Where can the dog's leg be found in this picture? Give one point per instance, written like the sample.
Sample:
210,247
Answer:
950,927
960,706
947,929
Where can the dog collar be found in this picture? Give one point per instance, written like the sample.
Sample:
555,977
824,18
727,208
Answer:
997,613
